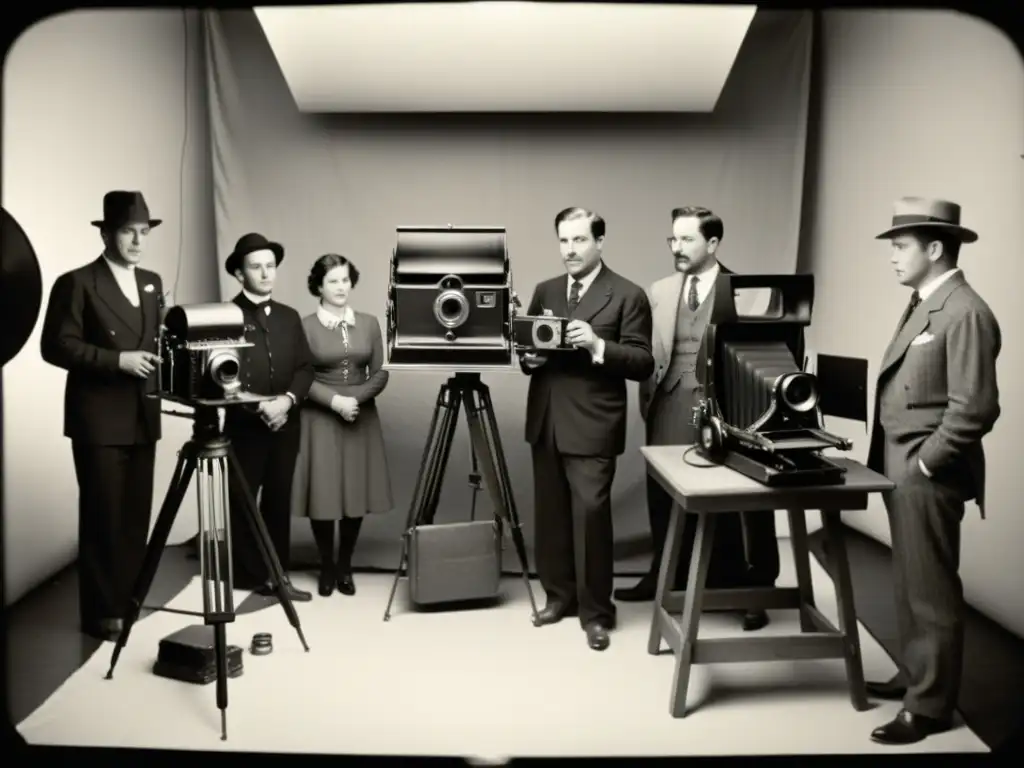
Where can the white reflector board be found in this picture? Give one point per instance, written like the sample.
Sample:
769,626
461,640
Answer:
506,56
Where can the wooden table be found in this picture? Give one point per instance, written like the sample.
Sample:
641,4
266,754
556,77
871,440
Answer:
707,491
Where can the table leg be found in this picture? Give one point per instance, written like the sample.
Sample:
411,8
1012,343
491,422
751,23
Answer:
669,563
847,614
802,561
692,604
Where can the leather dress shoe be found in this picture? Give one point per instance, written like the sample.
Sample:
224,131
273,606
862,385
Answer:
554,612
294,594
325,584
892,690
908,728
597,636
754,620
108,630
640,592
346,584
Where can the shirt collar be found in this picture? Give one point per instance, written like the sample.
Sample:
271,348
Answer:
254,298
930,287
330,321
707,278
586,282
119,269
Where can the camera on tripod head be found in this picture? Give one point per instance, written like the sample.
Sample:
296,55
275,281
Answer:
761,413
450,300
200,349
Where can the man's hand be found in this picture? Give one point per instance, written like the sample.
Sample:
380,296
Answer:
346,407
533,360
580,334
275,412
138,363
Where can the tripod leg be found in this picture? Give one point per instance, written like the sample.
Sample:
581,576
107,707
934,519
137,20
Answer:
220,643
428,481
487,444
259,530
183,472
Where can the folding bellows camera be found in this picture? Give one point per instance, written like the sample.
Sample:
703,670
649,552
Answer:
451,303
760,414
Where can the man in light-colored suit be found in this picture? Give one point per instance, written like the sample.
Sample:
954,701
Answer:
681,307
936,398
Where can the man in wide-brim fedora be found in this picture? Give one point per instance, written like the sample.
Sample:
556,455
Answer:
101,326
936,398
266,439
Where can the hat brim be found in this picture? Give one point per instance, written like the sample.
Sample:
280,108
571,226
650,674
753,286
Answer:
152,223
961,233
234,262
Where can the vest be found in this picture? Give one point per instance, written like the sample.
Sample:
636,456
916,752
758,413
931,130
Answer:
689,333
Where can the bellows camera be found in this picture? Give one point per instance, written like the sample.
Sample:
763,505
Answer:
539,333
200,353
760,414
450,300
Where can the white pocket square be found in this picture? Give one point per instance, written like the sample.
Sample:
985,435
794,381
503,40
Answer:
923,338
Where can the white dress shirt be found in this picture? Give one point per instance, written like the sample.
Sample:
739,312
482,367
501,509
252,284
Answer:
597,354
705,283
257,300
924,292
124,275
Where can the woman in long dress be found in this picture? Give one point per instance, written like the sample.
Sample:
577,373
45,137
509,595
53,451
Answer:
341,474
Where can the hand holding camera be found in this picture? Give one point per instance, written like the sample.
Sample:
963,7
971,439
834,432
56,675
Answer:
138,363
581,335
346,407
533,360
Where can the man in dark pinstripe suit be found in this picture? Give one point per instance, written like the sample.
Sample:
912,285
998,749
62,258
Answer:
936,398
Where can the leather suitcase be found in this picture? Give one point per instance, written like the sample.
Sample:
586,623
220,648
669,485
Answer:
454,562
189,655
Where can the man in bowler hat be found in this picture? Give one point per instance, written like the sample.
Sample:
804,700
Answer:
266,438
936,398
101,326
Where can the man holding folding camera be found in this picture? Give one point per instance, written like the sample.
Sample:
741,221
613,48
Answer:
266,438
576,422
936,398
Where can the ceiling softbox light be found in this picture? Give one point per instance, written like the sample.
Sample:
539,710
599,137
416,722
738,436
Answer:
506,56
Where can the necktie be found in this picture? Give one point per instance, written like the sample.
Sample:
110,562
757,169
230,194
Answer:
692,300
574,296
915,299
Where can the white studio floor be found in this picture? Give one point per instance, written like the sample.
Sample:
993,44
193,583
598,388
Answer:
476,684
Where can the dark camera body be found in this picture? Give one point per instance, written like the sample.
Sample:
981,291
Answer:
539,333
450,299
200,353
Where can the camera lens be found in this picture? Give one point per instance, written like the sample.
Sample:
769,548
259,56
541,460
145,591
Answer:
545,333
799,392
450,308
224,369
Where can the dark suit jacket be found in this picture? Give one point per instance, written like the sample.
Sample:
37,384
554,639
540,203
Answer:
937,394
278,362
588,401
88,323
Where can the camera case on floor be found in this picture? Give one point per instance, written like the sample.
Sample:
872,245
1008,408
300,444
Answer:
189,655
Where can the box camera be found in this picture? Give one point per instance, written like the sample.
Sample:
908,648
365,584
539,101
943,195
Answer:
200,354
450,299
539,333
760,414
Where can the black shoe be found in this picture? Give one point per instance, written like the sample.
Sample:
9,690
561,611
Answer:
640,592
597,636
325,584
107,630
754,620
891,690
908,728
346,584
554,612
294,594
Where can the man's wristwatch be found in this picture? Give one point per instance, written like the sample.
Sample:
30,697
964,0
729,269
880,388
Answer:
291,397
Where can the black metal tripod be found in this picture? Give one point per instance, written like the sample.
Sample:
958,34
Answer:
464,390
211,453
